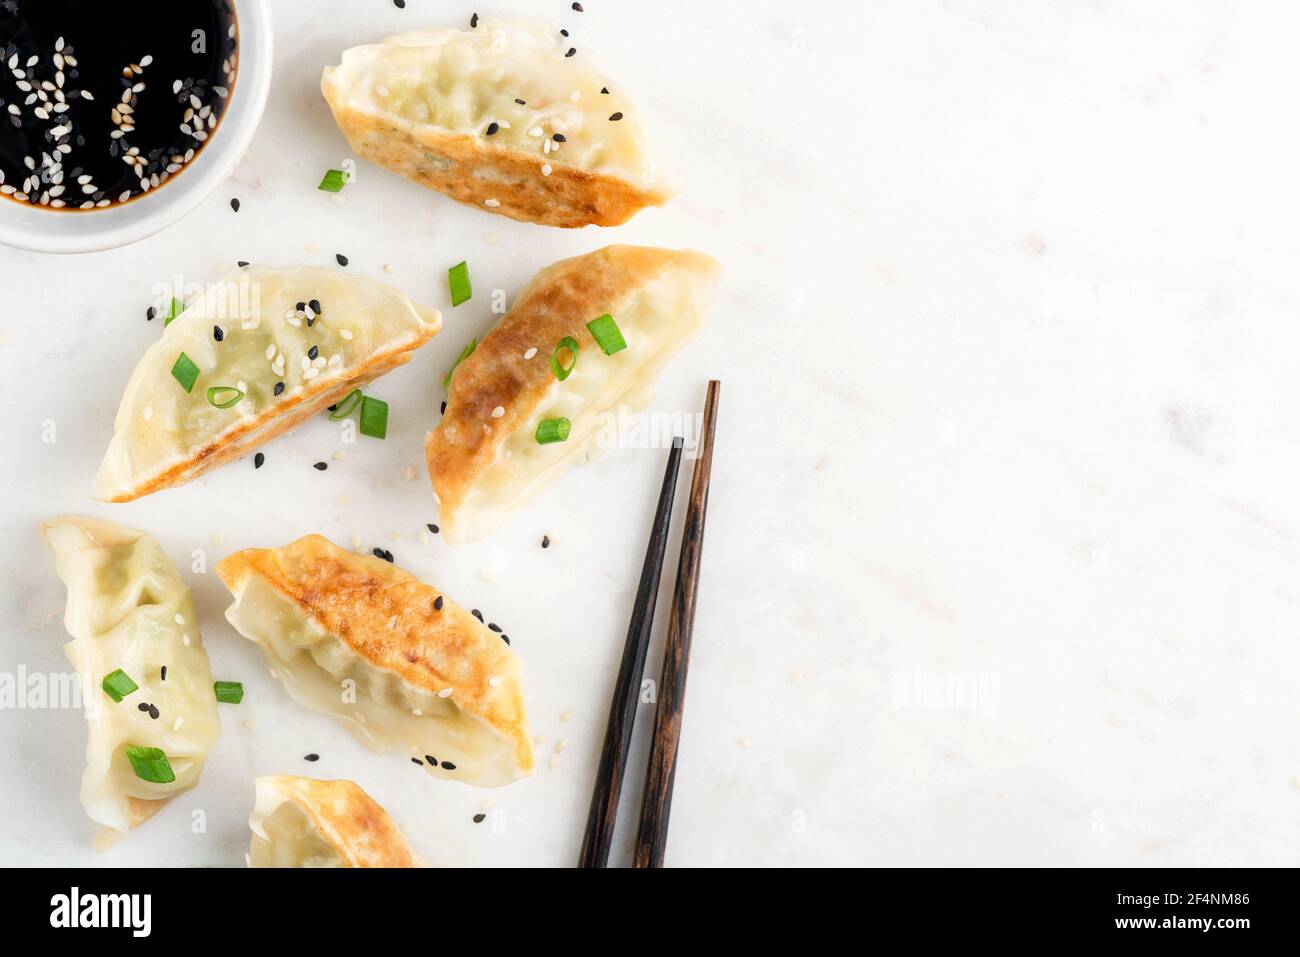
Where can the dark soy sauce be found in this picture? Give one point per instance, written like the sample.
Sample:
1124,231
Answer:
102,101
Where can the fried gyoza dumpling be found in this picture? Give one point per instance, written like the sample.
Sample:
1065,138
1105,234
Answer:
401,666
135,642
302,822
522,407
501,116
259,352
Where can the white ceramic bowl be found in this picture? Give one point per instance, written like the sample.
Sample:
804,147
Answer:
44,230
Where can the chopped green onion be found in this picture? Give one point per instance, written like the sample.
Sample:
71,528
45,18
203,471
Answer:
150,764
174,309
334,181
562,371
469,350
185,372
458,280
118,685
346,406
552,430
228,692
607,334
374,417
217,396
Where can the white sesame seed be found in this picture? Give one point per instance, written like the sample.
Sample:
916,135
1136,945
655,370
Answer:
345,334
311,373
33,60
381,90
270,351
86,95
176,87
446,692
13,61
58,44
179,619
495,680
146,59
13,108
498,412
530,353
546,169
492,203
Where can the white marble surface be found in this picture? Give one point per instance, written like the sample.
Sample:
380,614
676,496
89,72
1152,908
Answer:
1002,550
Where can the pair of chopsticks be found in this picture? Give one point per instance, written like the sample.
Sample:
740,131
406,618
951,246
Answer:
652,831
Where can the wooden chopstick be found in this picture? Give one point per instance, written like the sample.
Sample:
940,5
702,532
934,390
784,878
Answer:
623,704
652,831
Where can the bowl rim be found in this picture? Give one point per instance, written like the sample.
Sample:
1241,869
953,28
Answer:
210,168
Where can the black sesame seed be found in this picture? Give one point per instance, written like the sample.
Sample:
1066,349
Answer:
564,33
437,603
558,137
234,204
571,52
300,307
433,528
480,818
279,387
150,313
320,466
546,541
164,672
473,22
493,626
377,552
448,766
477,614
313,352
153,711
400,4
315,306
388,557
444,408
311,757
342,259
492,129
506,639
521,102
605,90
615,117
578,7
217,333
259,460
143,706
417,761
431,759
241,263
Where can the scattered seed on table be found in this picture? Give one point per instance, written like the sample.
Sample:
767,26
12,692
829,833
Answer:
259,460
311,757
342,259
234,204
320,466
